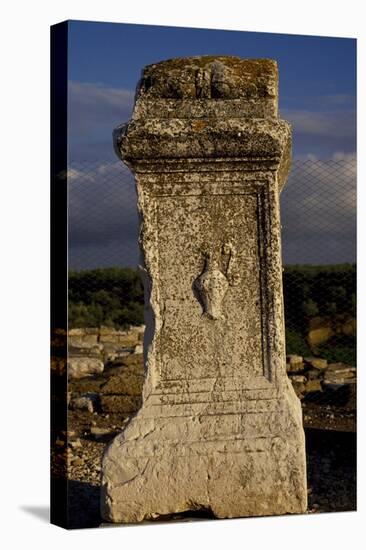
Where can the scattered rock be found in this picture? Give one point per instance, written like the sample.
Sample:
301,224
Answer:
313,374
111,353
299,388
76,444
125,404
123,337
78,461
334,382
86,402
101,433
298,379
95,430
316,362
294,363
81,336
128,382
87,349
341,370
78,366
313,385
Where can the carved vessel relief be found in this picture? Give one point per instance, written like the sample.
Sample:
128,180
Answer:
212,284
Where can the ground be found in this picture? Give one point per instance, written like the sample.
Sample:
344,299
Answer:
330,447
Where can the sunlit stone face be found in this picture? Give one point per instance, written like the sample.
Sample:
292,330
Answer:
220,427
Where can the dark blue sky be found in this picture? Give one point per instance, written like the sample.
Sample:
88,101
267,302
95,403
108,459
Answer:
317,94
317,84
113,54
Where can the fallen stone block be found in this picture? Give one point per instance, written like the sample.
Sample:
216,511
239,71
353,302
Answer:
124,404
316,363
341,370
299,388
294,363
313,385
79,367
313,374
87,402
128,382
83,336
298,378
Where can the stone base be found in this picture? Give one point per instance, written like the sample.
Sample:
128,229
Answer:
238,464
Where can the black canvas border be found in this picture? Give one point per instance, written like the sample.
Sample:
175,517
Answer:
59,244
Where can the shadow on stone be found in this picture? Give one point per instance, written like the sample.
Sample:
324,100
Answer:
190,515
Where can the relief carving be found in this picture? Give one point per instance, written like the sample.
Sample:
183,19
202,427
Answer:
212,284
203,83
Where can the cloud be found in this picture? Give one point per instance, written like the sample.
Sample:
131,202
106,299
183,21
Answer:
95,109
318,202
318,207
339,99
103,218
339,124
322,132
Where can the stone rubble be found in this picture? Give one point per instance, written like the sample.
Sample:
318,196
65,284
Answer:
90,349
330,477
119,389
86,402
80,366
314,374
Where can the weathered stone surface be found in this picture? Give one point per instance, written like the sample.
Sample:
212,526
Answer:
341,369
87,402
131,337
87,349
122,393
128,382
316,363
313,385
124,404
220,426
80,336
312,374
336,382
80,366
300,389
299,379
112,354
294,363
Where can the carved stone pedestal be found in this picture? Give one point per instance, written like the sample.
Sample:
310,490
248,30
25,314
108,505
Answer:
220,427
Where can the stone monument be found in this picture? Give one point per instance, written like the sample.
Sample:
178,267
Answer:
220,427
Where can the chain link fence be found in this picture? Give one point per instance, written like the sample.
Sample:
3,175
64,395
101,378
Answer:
318,210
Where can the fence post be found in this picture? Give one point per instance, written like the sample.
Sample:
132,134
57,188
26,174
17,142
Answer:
220,427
